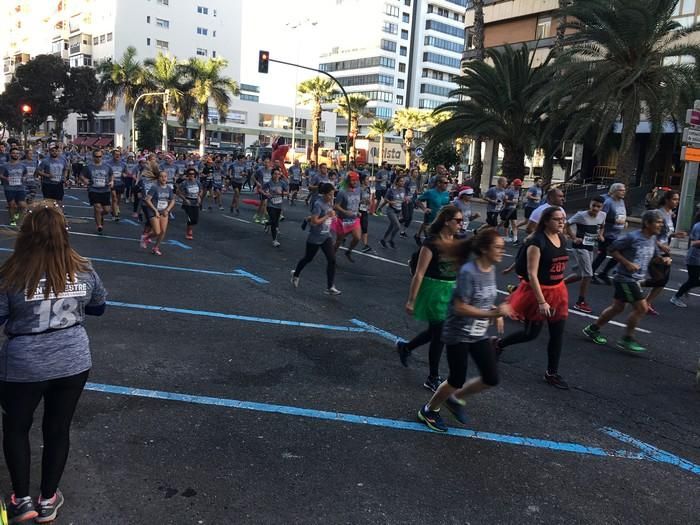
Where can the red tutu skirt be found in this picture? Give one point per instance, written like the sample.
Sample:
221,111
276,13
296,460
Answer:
341,227
525,307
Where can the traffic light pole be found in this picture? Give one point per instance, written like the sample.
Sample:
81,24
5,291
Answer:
347,99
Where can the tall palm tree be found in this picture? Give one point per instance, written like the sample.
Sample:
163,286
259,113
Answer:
123,79
358,108
502,100
316,91
206,82
477,168
618,50
166,74
408,121
379,128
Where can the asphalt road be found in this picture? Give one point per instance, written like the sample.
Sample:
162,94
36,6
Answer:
220,394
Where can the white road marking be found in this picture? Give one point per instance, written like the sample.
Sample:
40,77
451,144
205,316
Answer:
237,219
371,256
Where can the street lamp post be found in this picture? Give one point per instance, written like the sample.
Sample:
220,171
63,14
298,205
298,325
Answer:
133,117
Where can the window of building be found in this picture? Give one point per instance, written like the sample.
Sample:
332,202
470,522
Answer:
387,45
202,10
544,26
162,44
148,41
403,51
164,2
359,80
402,67
443,44
161,22
407,2
401,83
95,40
441,59
103,38
445,28
213,54
213,33
391,10
148,19
385,112
109,37
202,31
391,28
684,7
384,96
404,34
435,90
399,100
214,12
251,98
405,17
359,63
424,103
202,52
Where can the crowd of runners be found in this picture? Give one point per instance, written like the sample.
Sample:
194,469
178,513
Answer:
453,287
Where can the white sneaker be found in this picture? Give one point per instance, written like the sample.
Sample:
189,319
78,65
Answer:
332,291
295,280
508,238
276,244
675,300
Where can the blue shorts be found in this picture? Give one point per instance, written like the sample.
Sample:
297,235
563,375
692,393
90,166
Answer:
15,195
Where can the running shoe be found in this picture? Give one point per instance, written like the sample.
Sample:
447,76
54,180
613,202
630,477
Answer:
601,277
221,208
295,280
593,333
652,311
458,409
348,254
391,243
332,291
582,306
628,344
556,381
366,249
48,509
383,243
432,419
257,220
433,382
117,217
99,230
21,510
276,243
403,351
134,215
238,212
144,241
188,236
510,288
172,215
403,234
13,222
230,210
156,251
677,301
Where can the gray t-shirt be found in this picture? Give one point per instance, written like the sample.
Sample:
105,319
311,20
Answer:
510,198
238,172
275,190
98,177
536,192
318,233
497,194
15,172
616,216
191,190
46,339
118,171
349,199
477,288
30,177
160,196
668,228
395,197
587,229
381,179
54,168
693,258
636,248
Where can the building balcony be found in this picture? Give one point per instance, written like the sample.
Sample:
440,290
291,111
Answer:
80,44
532,45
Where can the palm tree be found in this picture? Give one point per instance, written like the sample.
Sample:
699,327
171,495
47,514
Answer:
206,83
619,50
358,108
316,91
167,75
379,128
407,121
501,100
123,79
477,168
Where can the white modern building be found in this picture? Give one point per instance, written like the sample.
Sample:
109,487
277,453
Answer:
84,32
398,53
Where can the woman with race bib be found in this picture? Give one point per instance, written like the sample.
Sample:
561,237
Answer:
158,203
46,289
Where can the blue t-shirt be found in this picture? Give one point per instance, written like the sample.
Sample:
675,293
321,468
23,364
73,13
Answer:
54,168
191,191
434,200
615,216
318,233
30,177
46,339
534,191
275,192
636,248
15,173
349,199
98,176
294,174
496,194
395,197
160,196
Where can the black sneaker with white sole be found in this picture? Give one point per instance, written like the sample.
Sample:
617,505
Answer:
48,509
433,382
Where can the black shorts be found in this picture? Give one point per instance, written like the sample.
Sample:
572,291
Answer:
628,292
105,199
492,218
293,186
483,356
528,212
364,220
119,190
262,197
52,191
509,214
237,185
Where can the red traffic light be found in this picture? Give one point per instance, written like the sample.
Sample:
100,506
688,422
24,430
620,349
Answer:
26,108
263,61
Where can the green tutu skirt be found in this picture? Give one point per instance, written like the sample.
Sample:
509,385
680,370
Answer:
432,300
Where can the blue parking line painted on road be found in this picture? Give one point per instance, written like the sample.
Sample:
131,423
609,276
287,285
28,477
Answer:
116,237
508,439
374,330
129,221
652,453
236,317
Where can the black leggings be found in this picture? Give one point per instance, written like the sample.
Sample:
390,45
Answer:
328,251
483,356
531,330
274,219
192,214
692,282
19,401
602,254
407,213
430,335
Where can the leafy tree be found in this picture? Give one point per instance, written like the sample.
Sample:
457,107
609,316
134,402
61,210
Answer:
316,91
408,121
148,124
503,100
379,128
618,50
207,83
358,108
83,93
441,153
477,168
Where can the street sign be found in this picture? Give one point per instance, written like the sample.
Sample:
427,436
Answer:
691,136
419,151
690,154
692,117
